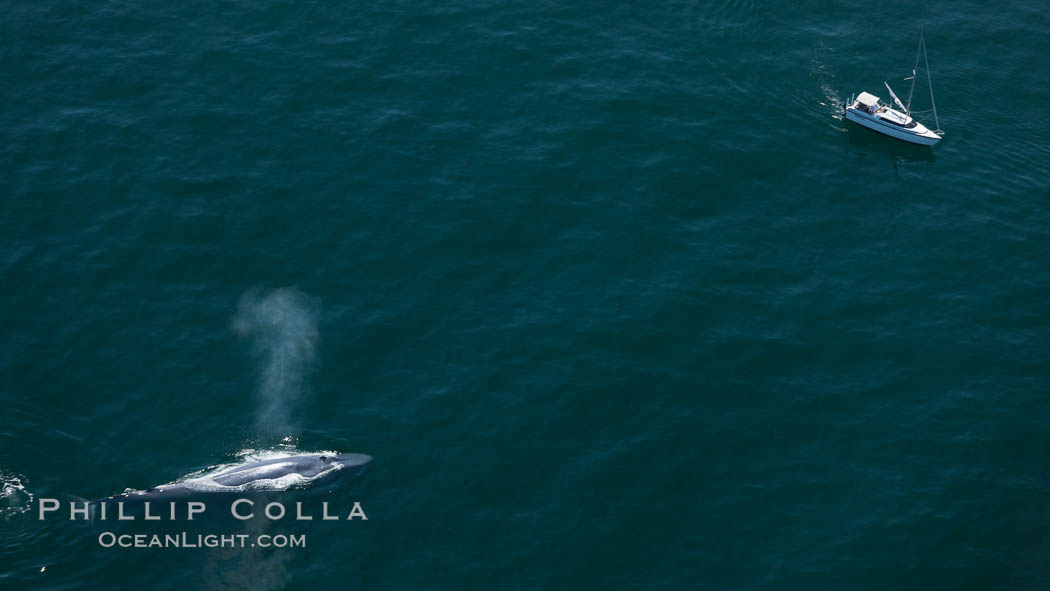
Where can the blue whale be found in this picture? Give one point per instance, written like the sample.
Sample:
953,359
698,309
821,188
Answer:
260,476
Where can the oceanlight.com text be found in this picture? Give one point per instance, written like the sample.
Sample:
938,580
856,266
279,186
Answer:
184,540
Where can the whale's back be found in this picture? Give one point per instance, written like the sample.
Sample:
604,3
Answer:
304,465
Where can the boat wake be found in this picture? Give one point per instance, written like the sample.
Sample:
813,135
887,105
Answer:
832,102
814,98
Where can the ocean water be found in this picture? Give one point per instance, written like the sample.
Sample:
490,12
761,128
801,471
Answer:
612,293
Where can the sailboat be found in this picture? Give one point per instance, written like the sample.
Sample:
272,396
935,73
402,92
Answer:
867,110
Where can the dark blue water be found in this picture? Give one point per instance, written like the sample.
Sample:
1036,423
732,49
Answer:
613,295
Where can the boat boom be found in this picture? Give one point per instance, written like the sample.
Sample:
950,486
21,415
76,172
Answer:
895,99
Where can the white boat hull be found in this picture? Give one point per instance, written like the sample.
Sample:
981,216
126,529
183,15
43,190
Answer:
916,135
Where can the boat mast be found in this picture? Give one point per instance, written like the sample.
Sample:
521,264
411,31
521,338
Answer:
918,50
930,81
